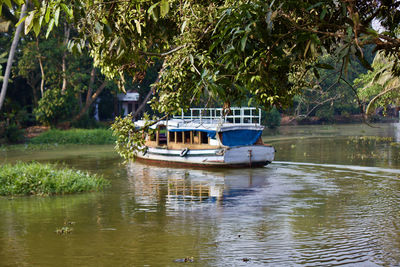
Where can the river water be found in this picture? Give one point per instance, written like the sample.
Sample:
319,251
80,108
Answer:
330,198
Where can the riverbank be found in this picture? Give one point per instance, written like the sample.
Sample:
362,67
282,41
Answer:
44,135
337,119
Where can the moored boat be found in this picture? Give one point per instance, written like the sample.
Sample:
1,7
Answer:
209,138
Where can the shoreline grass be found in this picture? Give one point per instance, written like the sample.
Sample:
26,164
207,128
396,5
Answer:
75,136
46,179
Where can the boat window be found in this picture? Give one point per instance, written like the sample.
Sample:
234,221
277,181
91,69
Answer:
162,135
171,137
179,137
186,137
203,138
153,135
196,137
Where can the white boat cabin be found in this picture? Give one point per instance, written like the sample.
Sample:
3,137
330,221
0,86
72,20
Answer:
207,129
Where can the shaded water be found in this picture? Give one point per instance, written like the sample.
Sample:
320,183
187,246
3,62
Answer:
325,201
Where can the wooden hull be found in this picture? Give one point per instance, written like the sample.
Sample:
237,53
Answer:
241,156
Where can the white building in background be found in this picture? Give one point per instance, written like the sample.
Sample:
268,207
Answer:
128,103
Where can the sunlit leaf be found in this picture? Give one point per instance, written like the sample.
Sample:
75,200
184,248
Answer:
8,3
164,8
36,27
138,27
183,26
50,27
47,15
57,15
67,10
29,22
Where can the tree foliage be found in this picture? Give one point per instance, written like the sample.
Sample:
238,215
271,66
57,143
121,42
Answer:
230,49
55,107
379,87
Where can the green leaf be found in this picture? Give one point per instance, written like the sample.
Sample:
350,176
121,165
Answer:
22,20
8,3
138,27
316,73
363,61
29,22
107,30
57,15
50,27
47,15
183,26
68,11
323,14
151,10
315,5
191,59
164,8
307,47
19,2
36,27
243,43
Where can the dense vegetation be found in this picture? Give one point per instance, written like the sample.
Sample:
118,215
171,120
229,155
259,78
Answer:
300,57
45,179
75,136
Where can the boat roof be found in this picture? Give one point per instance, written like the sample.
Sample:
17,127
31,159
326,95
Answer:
212,119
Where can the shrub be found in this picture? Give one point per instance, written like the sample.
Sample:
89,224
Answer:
11,134
326,114
75,136
272,118
46,179
55,107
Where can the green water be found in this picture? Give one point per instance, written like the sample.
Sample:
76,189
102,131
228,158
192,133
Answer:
328,199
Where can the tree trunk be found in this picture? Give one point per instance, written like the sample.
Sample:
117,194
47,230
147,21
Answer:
89,101
41,68
11,57
64,64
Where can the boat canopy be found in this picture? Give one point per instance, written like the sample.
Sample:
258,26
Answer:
240,137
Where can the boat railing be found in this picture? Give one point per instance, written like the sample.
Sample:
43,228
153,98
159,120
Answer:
237,115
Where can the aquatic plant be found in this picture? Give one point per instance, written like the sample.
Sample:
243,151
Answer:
46,179
64,230
75,136
370,139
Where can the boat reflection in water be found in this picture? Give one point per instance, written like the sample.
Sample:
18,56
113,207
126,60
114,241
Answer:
179,188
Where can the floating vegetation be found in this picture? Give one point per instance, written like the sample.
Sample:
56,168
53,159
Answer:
369,139
366,146
46,179
64,230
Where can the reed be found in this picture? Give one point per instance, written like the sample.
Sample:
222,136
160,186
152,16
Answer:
46,179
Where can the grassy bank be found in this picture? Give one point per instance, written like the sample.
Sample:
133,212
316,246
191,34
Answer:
46,179
75,136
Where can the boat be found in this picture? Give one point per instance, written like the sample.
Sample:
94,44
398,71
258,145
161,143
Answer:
208,137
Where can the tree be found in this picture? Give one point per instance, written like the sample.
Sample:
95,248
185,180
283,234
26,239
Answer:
379,87
231,50
11,56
